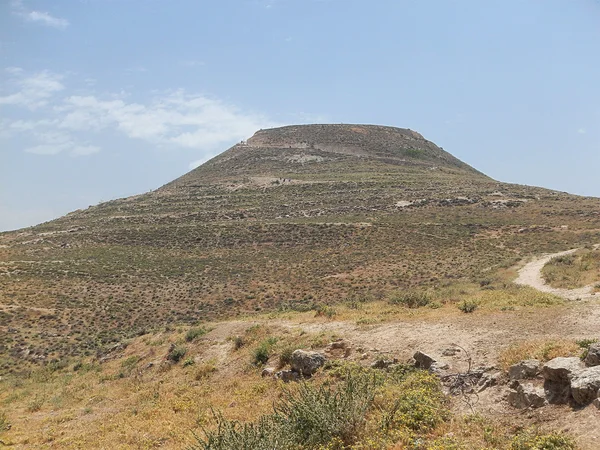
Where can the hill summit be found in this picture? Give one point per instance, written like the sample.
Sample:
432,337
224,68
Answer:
315,148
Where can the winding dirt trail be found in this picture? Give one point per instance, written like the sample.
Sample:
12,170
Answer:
531,275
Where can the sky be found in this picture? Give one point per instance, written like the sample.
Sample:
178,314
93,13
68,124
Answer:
102,99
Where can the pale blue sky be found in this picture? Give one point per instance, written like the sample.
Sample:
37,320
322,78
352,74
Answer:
102,99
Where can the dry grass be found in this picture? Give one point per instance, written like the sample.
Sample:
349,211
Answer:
541,350
576,270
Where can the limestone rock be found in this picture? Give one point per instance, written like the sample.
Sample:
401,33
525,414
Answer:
561,369
268,372
526,396
585,385
524,370
307,363
593,356
423,361
557,392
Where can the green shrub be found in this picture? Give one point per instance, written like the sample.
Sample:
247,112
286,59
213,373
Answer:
584,344
262,353
531,440
265,434
307,418
468,306
177,353
410,299
195,333
285,357
189,362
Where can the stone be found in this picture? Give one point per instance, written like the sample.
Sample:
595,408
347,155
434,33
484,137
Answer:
557,392
287,375
307,363
423,361
268,372
561,369
488,380
524,370
526,396
384,363
593,356
596,401
585,385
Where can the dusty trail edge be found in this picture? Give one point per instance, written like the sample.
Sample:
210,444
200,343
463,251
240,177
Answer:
531,275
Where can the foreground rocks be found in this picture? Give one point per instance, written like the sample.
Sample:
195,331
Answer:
593,356
307,363
524,370
565,381
526,396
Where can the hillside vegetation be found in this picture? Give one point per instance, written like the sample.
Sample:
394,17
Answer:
135,322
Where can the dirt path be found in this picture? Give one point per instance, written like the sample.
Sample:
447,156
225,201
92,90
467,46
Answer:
531,275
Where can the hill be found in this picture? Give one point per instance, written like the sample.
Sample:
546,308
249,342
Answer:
293,218
125,324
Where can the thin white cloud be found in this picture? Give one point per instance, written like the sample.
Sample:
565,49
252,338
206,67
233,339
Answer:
32,91
41,17
581,131
69,124
53,143
176,118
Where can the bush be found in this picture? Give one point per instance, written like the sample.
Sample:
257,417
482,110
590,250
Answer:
262,353
177,353
238,342
285,357
468,306
189,362
309,418
410,299
325,311
531,440
195,333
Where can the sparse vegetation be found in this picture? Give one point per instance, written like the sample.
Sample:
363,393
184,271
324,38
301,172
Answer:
177,353
468,306
575,270
195,333
94,300
410,299
541,350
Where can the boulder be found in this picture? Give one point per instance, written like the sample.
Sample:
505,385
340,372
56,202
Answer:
557,392
524,370
307,363
526,396
585,385
561,369
423,361
593,356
